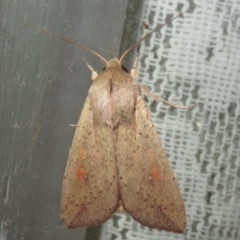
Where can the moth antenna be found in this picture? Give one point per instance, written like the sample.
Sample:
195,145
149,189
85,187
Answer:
147,35
67,40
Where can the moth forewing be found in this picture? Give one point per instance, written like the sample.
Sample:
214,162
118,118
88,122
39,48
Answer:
149,191
90,193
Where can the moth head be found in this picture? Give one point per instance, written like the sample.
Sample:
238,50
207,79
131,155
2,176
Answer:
115,63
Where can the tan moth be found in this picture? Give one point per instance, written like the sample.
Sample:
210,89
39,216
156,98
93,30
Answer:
116,158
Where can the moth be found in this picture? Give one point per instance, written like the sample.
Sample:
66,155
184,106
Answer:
116,158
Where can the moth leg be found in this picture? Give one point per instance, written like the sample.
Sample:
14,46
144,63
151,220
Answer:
94,73
145,91
134,71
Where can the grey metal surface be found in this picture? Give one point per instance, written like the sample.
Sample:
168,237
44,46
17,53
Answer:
43,86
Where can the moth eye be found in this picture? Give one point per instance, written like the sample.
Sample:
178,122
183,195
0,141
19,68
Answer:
124,69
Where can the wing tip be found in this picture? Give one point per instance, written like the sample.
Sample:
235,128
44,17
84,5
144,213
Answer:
171,227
